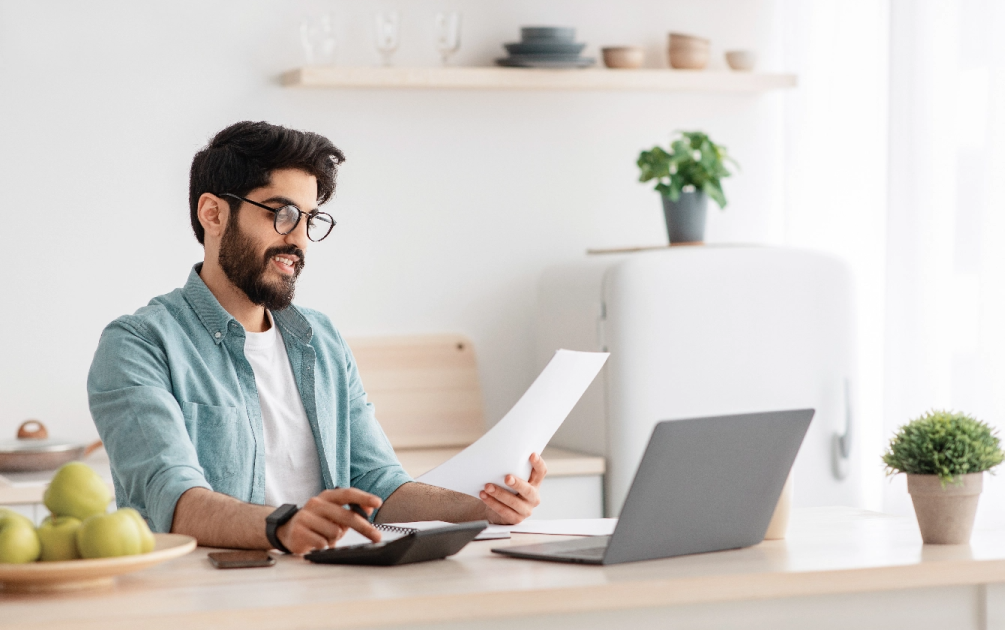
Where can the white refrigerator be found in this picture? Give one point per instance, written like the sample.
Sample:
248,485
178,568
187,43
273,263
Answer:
709,330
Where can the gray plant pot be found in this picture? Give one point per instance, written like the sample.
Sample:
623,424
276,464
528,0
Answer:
686,217
945,514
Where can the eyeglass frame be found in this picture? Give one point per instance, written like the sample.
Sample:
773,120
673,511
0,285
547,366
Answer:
300,213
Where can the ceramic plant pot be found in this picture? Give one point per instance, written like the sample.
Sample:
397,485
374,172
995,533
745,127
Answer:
686,217
945,514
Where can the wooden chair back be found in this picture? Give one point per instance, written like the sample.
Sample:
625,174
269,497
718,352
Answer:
424,388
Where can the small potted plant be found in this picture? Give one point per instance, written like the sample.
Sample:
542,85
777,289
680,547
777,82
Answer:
944,455
686,177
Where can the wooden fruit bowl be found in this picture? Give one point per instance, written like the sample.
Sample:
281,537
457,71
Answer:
78,574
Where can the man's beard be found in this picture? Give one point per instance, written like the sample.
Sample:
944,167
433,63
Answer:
246,270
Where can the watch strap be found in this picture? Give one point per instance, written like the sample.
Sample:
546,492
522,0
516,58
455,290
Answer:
274,521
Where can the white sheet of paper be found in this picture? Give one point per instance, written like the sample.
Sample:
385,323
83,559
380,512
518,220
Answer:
525,429
494,532
567,527
352,537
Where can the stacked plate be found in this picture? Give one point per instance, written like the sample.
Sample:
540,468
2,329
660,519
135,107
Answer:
546,47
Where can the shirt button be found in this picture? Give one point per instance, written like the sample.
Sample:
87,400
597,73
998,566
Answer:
218,335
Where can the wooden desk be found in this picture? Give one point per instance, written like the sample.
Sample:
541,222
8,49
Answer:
839,568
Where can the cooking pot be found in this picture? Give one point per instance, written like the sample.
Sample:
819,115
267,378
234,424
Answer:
35,450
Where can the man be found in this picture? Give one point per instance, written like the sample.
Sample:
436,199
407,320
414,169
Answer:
221,400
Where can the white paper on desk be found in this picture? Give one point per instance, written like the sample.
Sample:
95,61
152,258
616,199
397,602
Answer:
527,428
567,527
492,532
352,537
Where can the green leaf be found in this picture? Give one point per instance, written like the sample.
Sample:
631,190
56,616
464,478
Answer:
943,443
674,189
693,160
712,189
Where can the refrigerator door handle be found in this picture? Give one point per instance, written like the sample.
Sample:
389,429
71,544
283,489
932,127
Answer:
841,450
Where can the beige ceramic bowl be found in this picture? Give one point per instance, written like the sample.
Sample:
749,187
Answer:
688,58
688,52
681,40
623,56
743,60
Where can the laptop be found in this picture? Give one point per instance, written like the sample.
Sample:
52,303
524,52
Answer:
704,484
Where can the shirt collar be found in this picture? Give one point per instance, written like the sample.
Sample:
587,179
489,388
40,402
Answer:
217,320
291,320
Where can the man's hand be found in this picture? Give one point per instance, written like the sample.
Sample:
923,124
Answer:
506,508
324,519
417,501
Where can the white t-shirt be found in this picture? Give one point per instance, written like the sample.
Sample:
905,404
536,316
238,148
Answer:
292,467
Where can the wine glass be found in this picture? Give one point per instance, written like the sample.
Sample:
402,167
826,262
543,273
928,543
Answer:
317,36
448,34
387,35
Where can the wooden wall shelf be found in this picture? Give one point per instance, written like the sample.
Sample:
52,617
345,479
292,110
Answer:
492,78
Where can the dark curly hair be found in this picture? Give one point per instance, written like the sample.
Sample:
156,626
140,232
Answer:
243,156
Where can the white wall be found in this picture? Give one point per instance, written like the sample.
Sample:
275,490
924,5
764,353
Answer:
836,181
449,206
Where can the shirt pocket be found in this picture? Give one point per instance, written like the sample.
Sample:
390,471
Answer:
223,444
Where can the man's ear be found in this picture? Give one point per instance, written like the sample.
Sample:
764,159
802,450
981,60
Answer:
213,214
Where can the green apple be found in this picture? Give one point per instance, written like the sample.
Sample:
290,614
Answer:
18,541
77,491
109,535
58,535
146,536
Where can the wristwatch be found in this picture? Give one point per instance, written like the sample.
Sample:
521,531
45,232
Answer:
273,521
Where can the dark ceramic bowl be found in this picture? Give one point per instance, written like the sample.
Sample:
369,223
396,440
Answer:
557,33
546,47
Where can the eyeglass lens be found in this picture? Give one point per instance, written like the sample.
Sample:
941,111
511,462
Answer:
286,219
319,226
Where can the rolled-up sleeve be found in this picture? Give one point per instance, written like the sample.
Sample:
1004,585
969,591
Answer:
141,423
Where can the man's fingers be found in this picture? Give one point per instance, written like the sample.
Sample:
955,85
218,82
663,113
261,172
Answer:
507,514
538,471
524,490
303,540
513,508
324,519
345,496
336,513
517,503
360,524
320,525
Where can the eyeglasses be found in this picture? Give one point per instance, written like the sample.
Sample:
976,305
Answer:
319,224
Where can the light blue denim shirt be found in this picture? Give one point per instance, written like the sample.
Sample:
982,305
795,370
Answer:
175,402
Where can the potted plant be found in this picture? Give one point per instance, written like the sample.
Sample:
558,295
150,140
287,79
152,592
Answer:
944,455
686,177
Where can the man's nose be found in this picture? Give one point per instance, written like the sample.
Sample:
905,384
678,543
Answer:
298,236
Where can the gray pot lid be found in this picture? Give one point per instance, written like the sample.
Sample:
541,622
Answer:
30,445
40,444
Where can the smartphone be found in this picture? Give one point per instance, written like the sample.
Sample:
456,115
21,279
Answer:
241,559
